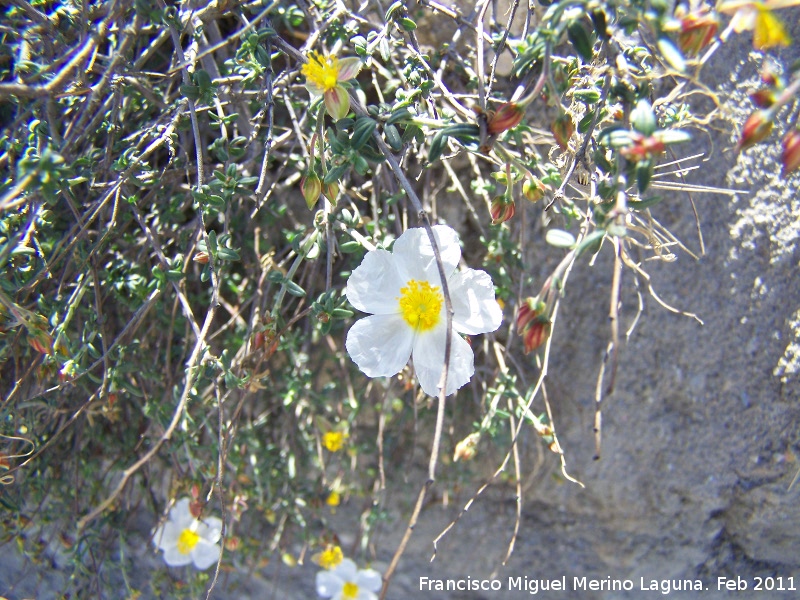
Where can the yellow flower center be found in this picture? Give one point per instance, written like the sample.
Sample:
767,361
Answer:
349,590
421,304
333,440
331,557
187,541
322,71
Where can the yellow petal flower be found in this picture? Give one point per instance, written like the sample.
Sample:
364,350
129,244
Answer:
769,31
334,440
322,72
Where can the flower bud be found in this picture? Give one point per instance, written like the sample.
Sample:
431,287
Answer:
790,158
41,341
562,130
643,148
311,186
506,117
756,129
201,257
502,209
697,30
331,191
533,324
763,98
533,189
467,448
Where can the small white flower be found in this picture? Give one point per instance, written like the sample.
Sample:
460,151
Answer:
346,582
185,539
402,289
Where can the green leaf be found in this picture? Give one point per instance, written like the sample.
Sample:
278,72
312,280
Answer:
349,247
559,238
393,137
673,136
228,254
580,40
407,24
587,96
671,54
437,146
336,173
643,118
591,242
644,172
294,289
362,132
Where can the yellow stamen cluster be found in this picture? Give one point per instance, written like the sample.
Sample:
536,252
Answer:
421,305
333,440
331,557
322,71
187,541
349,590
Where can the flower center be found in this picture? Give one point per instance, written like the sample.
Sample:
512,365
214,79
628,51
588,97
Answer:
420,304
349,591
333,440
323,71
331,557
187,541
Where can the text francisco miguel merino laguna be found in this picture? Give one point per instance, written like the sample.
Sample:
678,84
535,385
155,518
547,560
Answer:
534,586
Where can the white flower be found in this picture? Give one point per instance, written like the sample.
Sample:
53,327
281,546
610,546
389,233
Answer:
346,582
185,539
402,290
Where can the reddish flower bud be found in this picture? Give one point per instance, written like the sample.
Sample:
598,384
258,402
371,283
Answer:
533,324
790,158
643,148
467,448
763,98
756,129
562,130
41,341
201,257
507,116
533,189
697,31
331,191
502,209
311,186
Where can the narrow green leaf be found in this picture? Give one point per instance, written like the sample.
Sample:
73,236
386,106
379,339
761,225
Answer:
559,238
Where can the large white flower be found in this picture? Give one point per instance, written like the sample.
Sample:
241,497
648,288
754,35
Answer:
402,289
346,582
185,539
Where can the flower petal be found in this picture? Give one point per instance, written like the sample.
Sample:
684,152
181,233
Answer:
346,570
474,308
180,514
166,536
175,558
314,89
349,68
374,285
769,31
428,358
369,579
205,554
380,344
414,253
337,101
328,583
210,529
